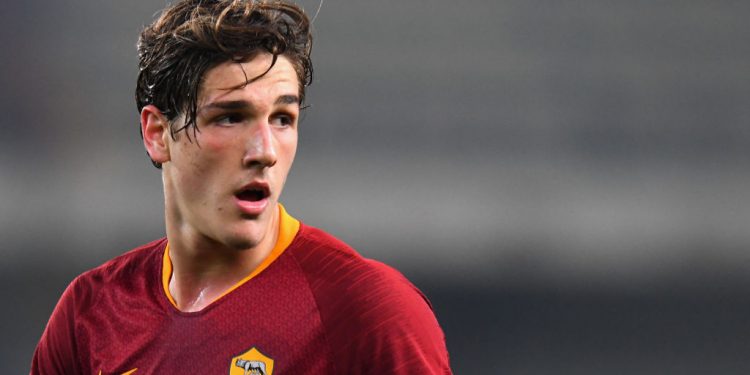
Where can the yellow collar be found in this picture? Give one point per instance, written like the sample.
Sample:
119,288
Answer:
288,228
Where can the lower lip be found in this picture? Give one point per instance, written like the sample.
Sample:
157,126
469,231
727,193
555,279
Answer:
253,208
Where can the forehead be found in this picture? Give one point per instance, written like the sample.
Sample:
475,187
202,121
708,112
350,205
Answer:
230,76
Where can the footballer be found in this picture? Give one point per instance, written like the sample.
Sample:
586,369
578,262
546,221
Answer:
238,286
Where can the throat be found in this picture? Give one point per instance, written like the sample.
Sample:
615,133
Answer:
196,303
196,283
196,297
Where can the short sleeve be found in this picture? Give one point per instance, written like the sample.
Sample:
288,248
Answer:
376,321
395,330
56,351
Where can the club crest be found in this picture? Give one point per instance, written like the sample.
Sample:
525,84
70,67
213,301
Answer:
251,362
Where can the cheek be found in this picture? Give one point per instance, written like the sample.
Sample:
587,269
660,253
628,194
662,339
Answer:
288,147
212,143
209,152
196,163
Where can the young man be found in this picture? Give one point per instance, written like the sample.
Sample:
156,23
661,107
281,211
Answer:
238,286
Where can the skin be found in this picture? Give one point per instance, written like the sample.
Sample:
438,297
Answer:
247,134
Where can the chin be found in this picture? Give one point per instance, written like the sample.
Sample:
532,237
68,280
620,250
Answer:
246,234
240,242
243,240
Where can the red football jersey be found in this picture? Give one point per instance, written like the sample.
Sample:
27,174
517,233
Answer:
314,306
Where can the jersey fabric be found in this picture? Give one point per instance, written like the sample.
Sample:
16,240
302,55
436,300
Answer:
314,306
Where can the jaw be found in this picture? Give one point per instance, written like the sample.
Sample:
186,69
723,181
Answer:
238,241
224,228
249,232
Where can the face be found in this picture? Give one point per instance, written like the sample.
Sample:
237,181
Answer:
223,184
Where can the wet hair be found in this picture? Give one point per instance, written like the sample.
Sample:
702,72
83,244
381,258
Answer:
191,37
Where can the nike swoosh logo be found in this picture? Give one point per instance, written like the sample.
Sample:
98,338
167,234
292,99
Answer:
124,373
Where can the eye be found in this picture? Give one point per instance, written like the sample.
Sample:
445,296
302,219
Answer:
283,120
229,119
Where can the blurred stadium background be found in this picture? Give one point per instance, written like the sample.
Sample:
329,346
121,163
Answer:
565,180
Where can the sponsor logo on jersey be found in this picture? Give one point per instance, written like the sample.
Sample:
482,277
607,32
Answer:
251,362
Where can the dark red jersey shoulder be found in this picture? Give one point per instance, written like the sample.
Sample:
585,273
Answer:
143,260
90,296
370,311
135,273
330,262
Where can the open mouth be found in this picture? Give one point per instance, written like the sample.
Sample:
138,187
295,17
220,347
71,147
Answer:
253,193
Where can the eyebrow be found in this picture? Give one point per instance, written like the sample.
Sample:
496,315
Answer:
287,99
243,104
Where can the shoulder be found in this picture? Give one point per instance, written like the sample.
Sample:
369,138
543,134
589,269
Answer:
129,261
333,266
369,309
57,351
322,254
124,271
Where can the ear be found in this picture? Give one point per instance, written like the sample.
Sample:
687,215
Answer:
155,131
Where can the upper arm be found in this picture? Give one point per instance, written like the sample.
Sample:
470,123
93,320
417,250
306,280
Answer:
399,333
56,351
379,323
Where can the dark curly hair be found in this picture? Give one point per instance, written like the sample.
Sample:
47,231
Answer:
192,36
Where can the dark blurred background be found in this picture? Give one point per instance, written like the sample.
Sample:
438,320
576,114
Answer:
565,180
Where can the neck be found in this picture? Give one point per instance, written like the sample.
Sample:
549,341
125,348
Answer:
203,269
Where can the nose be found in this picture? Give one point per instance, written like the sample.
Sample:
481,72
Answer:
260,150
